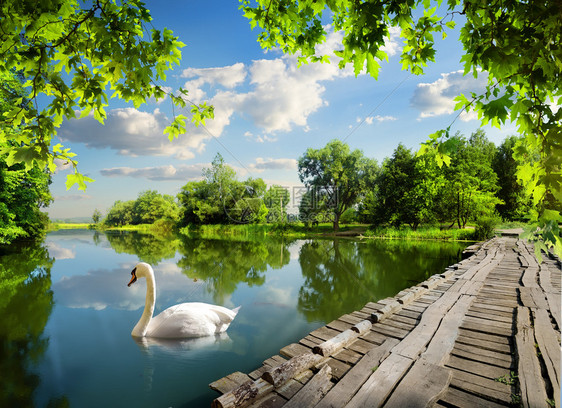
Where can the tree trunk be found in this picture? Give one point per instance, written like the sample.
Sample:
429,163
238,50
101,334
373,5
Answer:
336,221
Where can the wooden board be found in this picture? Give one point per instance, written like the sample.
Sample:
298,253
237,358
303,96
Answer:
380,383
344,390
532,386
421,387
313,391
457,398
549,345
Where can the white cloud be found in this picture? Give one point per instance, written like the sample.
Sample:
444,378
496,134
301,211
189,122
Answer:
58,252
437,98
132,133
262,164
181,172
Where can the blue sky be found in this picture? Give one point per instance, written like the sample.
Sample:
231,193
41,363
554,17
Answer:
267,111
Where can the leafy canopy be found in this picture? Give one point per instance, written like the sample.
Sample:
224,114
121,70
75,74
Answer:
74,57
516,45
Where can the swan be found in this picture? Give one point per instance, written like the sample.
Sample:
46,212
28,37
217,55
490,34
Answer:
179,321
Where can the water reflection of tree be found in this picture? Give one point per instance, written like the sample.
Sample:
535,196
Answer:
26,301
223,264
341,276
148,247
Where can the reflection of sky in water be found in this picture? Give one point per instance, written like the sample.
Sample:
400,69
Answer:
92,358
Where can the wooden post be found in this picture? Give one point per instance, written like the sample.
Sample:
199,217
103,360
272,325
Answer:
244,395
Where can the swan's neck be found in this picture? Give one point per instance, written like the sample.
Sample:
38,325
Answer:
142,325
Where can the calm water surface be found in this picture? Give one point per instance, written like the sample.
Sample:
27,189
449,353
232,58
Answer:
67,312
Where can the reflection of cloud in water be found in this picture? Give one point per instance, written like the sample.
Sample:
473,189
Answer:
274,296
294,249
58,252
103,288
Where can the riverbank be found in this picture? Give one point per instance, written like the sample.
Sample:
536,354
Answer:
296,230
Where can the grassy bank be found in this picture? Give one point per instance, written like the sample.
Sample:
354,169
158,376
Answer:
293,230
421,233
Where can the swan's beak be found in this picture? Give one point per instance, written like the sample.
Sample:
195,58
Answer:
133,277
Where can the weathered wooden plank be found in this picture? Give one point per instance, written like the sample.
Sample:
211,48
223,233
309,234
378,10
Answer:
380,383
457,398
424,384
483,387
389,330
477,313
554,301
476,367
533,297
532,386
344,390
507,326
443,341
484,353
229,382
549,345
348,356
243,395
481,326
313,391
271,400
476,356
413,344
293,350
339,368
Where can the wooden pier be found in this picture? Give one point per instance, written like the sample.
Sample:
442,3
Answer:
484,333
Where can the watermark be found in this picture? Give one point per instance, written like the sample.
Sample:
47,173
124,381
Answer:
295,203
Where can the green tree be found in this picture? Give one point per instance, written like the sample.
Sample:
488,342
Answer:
513,43
337,173
515,204
121,213
471,185
151,206
276,199
23,190
221,199
100,46
96,216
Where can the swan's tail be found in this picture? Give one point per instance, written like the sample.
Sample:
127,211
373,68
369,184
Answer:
236,309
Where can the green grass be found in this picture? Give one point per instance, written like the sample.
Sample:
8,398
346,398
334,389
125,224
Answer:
61,225
433,233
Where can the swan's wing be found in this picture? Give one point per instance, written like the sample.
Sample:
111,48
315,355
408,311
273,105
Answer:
191,320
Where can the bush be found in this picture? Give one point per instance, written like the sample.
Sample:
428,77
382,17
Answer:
485,228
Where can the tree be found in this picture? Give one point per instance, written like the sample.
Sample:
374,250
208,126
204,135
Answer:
470,189
276,199
337,173
96,216
121,213
23,190
99,44
514,44
406,189
221,199
515,204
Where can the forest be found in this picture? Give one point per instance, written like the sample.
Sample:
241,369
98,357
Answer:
479,185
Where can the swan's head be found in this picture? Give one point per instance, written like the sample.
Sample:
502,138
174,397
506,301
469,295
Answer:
142,270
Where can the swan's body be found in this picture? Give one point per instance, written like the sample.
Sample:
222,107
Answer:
179,321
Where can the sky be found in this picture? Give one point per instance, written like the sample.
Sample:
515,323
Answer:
268,111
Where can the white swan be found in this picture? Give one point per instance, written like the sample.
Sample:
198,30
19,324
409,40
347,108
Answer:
179,321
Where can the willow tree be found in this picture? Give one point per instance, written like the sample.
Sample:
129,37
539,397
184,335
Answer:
515,45
72,56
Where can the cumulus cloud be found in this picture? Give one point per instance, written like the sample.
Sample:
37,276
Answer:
181,172
273,93
132,132
437,98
